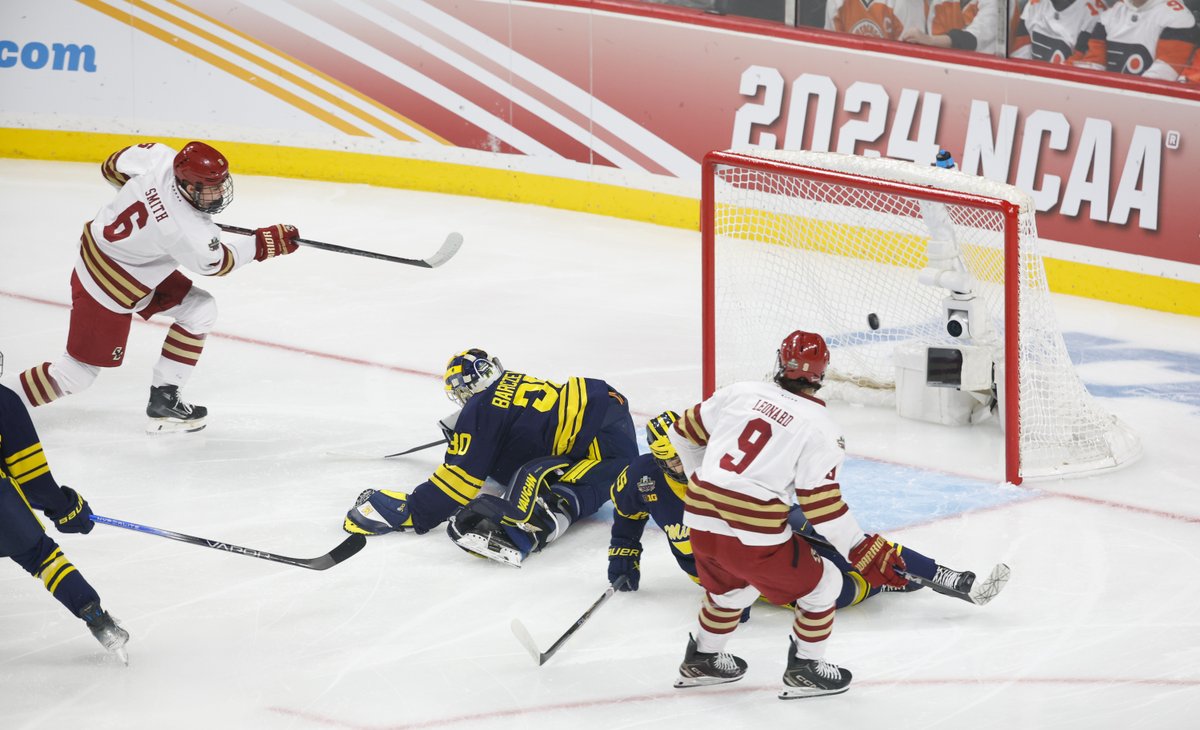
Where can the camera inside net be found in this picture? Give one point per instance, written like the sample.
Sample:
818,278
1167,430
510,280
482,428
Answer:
962,319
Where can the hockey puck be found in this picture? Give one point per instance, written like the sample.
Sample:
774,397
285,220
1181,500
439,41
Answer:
873,320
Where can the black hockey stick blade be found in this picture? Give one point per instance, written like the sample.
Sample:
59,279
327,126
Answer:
447,250
343,551
541,657
981,592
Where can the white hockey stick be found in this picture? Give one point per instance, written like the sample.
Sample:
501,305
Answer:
541,657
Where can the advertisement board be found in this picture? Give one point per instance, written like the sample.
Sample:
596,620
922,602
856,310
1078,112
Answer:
600,107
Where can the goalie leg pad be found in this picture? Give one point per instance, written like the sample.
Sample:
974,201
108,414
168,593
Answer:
529,483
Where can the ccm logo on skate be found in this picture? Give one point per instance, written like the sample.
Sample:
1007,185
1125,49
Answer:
59,56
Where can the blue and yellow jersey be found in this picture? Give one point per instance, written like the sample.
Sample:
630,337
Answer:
518,418
641,492
22,461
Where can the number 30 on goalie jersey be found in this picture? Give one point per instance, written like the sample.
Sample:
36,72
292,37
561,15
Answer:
516,419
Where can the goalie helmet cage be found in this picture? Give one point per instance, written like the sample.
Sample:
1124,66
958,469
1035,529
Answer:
821,241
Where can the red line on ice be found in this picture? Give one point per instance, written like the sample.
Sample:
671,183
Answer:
766,690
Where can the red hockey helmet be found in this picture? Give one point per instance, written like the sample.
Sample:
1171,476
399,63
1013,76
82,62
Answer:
802,356
202,176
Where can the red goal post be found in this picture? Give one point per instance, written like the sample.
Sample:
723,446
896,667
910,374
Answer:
875,254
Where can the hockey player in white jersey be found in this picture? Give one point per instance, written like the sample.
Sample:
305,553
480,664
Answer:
1147,38
751,450
1055,30
129,259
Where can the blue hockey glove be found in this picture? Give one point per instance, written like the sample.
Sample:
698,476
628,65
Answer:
75,516
625,559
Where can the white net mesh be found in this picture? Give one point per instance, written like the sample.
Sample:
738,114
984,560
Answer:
793,252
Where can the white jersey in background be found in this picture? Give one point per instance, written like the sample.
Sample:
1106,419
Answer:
1153,40
752,450
1054,30
147,231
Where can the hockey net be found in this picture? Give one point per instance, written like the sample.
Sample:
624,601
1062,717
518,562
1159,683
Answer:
823,241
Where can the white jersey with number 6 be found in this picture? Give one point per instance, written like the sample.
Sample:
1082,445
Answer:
147,231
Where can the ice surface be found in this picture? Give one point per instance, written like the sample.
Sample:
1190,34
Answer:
320,351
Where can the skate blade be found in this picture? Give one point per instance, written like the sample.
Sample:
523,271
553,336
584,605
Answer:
486,548
800,693
172,425
685,682
987,589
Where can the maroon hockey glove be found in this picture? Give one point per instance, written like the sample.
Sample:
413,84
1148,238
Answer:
877,561
276,240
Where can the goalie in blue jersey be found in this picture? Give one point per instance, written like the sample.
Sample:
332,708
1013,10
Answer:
555,447
27,484
654,487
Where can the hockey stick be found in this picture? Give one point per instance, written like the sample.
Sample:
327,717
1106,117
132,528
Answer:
981,592
449,247
347,548
542,657
414,449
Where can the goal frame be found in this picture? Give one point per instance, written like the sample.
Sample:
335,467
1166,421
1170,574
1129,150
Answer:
1008,210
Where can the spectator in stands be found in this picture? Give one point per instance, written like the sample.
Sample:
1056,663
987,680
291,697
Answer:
1054,30
1148,38
969,25
1191,73
887,19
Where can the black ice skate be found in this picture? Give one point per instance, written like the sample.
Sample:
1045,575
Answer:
700,669
811,677
168,413
106,630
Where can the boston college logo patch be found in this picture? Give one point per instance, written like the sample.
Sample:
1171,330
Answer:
117,353
214,244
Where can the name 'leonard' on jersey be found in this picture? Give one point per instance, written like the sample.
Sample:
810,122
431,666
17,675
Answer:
763,449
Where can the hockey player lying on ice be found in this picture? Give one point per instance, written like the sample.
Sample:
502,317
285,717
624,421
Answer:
557,447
